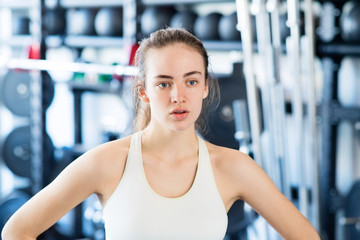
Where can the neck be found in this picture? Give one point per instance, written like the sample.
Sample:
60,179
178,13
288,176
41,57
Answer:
164,141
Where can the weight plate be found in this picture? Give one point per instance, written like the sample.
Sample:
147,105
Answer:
16,92
352,211
11,205
222,122
48,89
17,151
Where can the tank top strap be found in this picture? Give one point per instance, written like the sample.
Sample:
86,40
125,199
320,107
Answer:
204,158
134,153
207,175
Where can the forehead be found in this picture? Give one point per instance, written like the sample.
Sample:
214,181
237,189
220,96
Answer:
174,57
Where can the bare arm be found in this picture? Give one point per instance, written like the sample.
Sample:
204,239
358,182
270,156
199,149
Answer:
257,189
77,182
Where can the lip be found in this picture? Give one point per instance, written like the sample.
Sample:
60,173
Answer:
179,113
179,110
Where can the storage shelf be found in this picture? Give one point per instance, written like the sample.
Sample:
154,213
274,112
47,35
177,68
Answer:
94,87
168,2
90,3
338,49
19,41
100,41
19,3
84,41
93,41
339,112
223,45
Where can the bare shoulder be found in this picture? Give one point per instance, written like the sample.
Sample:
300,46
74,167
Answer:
106,162
111,153
234,171
228,159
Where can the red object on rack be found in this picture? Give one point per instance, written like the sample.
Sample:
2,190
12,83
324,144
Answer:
34,51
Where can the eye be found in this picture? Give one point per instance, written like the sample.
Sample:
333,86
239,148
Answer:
163,85
192,82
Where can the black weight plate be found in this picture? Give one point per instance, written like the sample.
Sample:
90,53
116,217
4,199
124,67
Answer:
48,89
352,210
222,123
11,205
17,151
16,92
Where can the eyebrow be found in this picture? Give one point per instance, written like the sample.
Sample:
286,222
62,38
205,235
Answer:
170,77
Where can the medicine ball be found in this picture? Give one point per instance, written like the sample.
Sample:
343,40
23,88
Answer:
184,19
206,26
109,22
80,21
350,22
55,21
227,27
155,18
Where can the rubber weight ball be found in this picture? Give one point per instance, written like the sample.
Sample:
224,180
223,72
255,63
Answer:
155,18
109,22
184,19
206,27
350,22
21,26
81,21
227,28
55,21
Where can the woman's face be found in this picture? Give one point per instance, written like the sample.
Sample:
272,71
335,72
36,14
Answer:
175,86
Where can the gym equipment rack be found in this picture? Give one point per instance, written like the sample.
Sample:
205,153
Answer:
331,113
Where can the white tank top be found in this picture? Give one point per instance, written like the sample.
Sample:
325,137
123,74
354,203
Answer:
136,212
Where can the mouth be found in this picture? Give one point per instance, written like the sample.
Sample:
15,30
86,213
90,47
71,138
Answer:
179,114
179,111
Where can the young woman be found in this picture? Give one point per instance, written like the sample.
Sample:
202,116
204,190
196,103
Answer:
164,181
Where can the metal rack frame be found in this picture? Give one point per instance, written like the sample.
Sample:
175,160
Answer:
331,113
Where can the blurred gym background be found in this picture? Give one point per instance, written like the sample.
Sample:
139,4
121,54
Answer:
289,76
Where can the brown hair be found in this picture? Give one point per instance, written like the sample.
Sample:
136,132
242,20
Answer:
160,39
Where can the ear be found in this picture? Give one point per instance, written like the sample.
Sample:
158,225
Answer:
142,93
206,90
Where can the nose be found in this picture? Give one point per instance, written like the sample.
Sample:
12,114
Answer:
178,94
